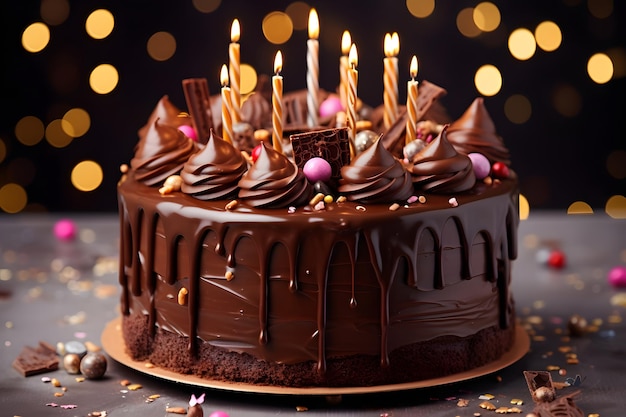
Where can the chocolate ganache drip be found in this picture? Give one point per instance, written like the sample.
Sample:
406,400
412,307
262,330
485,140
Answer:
214,171
375,177
161,153
475,131
438,168
274,182
168,114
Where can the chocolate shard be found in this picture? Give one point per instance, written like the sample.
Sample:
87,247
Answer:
539,379
329,144
198,102
33,361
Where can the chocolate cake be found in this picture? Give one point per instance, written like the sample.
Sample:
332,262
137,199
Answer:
394,269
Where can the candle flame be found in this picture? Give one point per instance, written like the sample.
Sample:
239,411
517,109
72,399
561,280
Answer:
235,31
413,69
395,44
224,75
278,63
353,58
387,45
346,41
314,24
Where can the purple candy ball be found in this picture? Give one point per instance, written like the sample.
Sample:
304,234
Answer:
617,277
330,106
481,165
317,169
65,229
189,131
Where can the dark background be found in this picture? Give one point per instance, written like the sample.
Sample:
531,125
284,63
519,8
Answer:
559,159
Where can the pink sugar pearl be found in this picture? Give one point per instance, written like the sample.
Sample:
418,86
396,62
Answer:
330,106
65,229
189,131
481,165
317,169
617,277
218,414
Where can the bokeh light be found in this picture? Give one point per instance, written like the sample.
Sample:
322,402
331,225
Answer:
13,198
522,44
161,46
206,6
103,79
486,16
36,37
277,27
420,8
465,23
87,176
56,134
616,207
76,122
29,130
249,79
618,56
100,24
524,208
600,68
54,12
517,109
579,207
488,80
616,164
298,11
548,36
567,100
600,9
3,150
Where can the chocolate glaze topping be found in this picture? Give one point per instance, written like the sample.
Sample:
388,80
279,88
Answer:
274,182
438,168
375,177
160,153
475,131
213,172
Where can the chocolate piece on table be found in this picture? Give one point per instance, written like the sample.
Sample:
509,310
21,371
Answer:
330,144
33,361
539,379
197,97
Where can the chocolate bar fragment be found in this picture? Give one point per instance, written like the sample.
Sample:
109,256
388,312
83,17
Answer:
197,97
330,144
33,361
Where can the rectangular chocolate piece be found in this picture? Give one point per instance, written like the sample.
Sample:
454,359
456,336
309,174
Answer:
33,361
330,144
197,97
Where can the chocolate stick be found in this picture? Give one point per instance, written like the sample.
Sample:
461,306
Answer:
197,97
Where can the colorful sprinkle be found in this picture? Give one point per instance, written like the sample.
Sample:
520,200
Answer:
617,277
453,202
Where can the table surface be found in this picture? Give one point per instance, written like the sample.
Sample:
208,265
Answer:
58,291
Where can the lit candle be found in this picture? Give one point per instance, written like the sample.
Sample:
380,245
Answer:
277,103
234,71
227,121
312,70
390,79
346,42
353,78
411,103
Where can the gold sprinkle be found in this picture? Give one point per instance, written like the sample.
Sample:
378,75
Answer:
502,410
487,405
301,408
421,199
565,349
80,379
462,402
148,365
614,319
559,385
123,168
231,204
229,275
488,180
517,401
341,199
261,134
552,368
55,382
58,394
394,207
594,415
534,320
92,347
134,387
539,338
154,396
328,199
486,397
124,382
176,410
182,296
318,197
572,361
514,410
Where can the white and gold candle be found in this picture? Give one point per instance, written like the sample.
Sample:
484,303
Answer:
390,79
234,71
312,70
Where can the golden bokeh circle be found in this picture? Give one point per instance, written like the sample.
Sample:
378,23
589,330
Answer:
249,79
488,80
29,130
103,79
298,11
548,36
518,109
486,16
616,207
579,207
420,8
524,207
522,44
600,68
206,6
76,122
161,46
56,134
13,198
465,23
87,176
100,23
36,37
277,27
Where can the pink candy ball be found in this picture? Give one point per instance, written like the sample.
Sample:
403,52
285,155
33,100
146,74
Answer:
189,131
330,106
617,277
481,165
65,229
317,169
218,414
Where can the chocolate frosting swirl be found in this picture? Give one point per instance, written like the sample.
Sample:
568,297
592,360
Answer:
213,172
375,177
161,153
274,182
475,131
438,168
168,114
